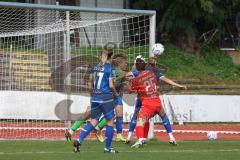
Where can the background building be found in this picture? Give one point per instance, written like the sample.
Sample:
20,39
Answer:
89,3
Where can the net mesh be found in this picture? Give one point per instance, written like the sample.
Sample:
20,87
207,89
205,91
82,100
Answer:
44,59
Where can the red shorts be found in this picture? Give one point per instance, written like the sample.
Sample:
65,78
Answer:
150,108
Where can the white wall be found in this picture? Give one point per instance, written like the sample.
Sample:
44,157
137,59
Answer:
45,1
52,106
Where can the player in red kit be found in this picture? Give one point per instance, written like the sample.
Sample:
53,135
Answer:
145,84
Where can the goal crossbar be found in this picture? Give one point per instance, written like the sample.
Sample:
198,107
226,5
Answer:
150,13
76,8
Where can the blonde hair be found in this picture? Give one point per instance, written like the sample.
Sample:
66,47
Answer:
118,58
151,61
106,56
107,53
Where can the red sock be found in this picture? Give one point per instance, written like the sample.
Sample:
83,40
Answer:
139,132
146,129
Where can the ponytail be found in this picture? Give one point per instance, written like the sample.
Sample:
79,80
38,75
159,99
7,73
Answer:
103,59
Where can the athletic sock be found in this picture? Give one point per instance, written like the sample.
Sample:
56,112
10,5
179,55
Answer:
102,123
129,135
71,131
171,137
133,123
146,129
87,129
77,123
140,132
166,123
119,122
141,140
109,136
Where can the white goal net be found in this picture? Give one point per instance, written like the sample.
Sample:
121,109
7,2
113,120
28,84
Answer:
44,54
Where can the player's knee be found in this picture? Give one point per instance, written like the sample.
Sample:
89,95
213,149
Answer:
94,122
162,112
119,114
119,111
87,114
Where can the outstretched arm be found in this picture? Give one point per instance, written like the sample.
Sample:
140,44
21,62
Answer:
169,81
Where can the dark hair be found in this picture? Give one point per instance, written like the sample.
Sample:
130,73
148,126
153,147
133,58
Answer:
140,64
106,55
109,53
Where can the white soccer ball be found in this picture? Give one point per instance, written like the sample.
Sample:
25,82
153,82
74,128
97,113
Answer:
212,135
157,49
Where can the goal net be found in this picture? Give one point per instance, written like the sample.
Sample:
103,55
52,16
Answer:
44,54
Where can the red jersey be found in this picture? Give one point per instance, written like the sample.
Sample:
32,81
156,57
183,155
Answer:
146,86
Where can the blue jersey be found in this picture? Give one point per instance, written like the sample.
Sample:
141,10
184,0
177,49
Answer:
157,73
101,76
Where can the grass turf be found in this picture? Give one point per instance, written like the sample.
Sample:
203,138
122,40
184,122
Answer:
61,150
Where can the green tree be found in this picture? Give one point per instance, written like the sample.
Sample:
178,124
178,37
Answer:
181,19
185,20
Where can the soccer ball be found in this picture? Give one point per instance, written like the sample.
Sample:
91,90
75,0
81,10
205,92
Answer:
157,49
212,135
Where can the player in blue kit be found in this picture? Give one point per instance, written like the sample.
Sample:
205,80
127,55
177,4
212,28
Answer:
152,67
102,102
120,64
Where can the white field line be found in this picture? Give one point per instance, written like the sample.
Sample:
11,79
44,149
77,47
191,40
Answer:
131,151
32,128
200,131
156,130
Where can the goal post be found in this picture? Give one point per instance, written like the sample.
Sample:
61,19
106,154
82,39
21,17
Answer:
44,54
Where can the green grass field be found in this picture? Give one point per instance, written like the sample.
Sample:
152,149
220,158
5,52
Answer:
61,150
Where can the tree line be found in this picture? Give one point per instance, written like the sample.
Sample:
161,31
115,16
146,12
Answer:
184,21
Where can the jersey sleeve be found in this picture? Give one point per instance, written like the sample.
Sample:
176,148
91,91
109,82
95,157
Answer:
135,73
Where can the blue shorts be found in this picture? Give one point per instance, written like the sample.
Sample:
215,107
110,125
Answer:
106,108
118,101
